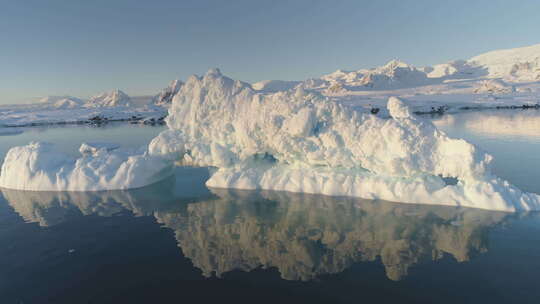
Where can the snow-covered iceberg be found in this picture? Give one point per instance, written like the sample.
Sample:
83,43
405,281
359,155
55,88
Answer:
37,166
300,142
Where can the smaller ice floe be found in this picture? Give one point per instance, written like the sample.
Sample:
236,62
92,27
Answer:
494,86
38,167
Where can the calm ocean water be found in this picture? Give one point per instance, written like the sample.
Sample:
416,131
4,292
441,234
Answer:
178,241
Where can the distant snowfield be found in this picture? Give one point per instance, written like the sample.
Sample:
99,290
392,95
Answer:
112,106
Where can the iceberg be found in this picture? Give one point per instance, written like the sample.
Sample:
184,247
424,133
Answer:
299,141
38,167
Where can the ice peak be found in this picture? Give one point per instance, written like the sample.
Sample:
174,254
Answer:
518,64
112,98
395,63
213,72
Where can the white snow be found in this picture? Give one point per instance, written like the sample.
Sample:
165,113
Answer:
54,99
45,113
494,86
37,166
301,142
453,69
271,86
395,74
518,64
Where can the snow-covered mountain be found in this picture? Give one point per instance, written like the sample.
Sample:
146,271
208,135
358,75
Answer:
512,65
518,64
62,102
270,86
54,99
395,74
341,76
110,99
457,69
166,95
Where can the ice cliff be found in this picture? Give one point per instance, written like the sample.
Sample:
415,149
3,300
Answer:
300,142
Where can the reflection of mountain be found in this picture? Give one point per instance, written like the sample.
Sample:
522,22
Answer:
306,235
303,236
519,123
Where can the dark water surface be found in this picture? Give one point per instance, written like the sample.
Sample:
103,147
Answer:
180,242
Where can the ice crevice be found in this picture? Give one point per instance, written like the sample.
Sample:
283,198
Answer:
299,141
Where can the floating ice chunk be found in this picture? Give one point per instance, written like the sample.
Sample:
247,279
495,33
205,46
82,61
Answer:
301,142
37,166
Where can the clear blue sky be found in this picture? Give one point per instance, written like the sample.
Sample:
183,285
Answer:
81,48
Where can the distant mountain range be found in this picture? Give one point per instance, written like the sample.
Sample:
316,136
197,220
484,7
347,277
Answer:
516,65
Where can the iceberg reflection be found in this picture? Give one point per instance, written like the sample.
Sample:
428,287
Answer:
303,236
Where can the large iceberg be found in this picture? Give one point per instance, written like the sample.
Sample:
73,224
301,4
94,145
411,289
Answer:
37,166
301,142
